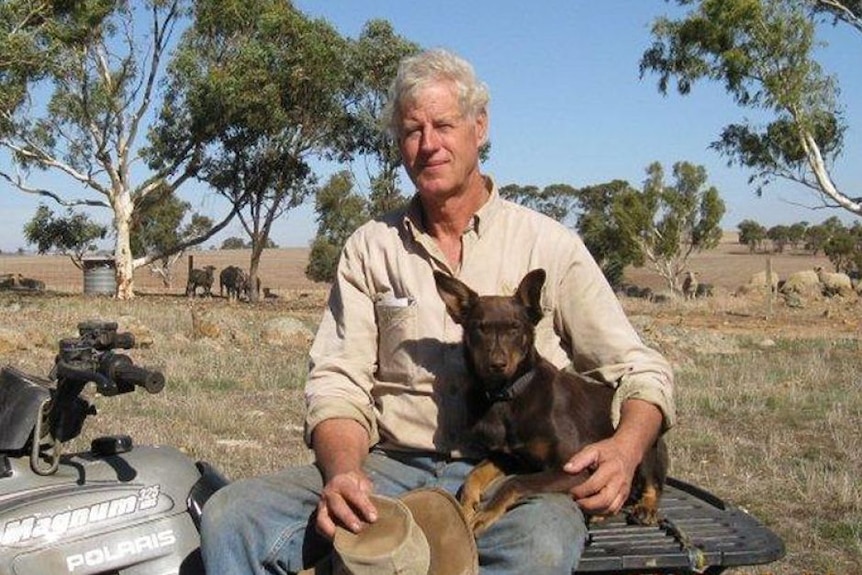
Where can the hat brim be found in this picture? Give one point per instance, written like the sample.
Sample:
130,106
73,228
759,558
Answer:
450,539
451,543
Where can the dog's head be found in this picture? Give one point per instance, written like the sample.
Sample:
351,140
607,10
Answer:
499,331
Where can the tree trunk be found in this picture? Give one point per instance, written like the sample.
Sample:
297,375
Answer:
253,270
123,206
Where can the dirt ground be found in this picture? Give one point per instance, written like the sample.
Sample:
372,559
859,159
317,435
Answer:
727,268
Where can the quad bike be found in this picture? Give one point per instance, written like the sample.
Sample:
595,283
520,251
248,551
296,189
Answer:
117,509
121,509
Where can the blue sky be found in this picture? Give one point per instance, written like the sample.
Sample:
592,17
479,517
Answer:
567,104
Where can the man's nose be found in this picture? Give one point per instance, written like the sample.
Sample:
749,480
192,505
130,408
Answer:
430,139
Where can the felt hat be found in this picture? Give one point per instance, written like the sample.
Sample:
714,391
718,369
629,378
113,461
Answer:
422,532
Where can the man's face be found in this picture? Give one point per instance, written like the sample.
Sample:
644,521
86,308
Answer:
439,145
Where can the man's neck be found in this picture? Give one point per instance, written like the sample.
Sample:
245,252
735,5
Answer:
447,219
451,215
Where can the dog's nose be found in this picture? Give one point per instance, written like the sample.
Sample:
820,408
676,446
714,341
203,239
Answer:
497,365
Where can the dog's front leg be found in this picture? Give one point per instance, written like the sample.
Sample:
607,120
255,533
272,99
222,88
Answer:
515,488
477,481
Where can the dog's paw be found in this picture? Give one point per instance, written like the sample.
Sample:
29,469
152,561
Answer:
469,504
643,514
483,519
596,519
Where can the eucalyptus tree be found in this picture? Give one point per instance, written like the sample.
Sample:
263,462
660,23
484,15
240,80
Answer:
847,11
32,34
264,86
373,63
83,113
601,231
667,223
74,234
763,51
341,205
339,210
160,226
751,234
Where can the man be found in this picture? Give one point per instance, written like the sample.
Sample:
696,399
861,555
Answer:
385,393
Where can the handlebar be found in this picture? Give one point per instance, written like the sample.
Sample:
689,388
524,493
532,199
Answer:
87,358
122,371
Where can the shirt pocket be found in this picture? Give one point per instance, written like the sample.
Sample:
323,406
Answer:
397,328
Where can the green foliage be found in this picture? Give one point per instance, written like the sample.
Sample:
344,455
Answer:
33,38
233,243
322,260
557,201
817,236
340,211
751,234
73,234
844,249
371,64
780,237
667,223
601,233
157,224
264,88
763,53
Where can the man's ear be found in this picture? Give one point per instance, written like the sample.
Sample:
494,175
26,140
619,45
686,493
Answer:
529,293
457,297
481,128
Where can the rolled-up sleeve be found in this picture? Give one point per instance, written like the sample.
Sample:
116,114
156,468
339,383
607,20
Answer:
344,353
604,344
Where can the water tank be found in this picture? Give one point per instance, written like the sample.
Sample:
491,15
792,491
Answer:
100,275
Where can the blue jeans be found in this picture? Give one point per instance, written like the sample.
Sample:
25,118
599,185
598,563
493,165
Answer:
265,525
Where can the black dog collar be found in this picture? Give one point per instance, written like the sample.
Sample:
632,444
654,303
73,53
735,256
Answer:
511,390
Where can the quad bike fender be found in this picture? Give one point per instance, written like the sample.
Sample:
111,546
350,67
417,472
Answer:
135,513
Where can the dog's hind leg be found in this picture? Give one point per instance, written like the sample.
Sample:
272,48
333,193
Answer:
477,481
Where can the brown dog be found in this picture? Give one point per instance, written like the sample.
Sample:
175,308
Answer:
531,416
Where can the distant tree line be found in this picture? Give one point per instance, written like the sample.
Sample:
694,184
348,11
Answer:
840,243
237,243
659,225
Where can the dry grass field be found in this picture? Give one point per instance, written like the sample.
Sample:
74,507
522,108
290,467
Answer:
769,395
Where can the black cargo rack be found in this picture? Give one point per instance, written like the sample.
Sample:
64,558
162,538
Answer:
698,533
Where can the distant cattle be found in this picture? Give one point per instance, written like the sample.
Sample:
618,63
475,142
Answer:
201,278
234,281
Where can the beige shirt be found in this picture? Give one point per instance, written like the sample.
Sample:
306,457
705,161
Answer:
388,355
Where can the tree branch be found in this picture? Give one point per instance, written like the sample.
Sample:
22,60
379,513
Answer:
19,183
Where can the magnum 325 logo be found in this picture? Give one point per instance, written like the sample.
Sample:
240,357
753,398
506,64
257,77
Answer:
33,528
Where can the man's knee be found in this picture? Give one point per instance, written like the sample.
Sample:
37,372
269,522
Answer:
547,532
225,509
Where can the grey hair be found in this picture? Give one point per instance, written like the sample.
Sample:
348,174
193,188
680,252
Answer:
418,71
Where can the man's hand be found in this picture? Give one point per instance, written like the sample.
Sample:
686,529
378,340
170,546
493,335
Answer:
340,447
611,463
611,472
345,502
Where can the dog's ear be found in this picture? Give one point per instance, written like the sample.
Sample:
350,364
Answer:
456,295
529,293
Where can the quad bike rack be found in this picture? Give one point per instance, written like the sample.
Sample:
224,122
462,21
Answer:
698,533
